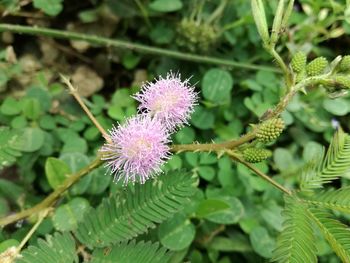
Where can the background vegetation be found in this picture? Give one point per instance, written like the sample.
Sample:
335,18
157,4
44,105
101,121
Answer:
237,81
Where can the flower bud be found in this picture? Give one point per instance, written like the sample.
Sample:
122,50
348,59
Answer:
317,66
256,155
298,62
270,130
345,63
343,81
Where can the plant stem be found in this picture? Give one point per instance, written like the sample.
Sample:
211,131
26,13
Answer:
132,46
212,147
282,65
42,215
258,172
75,94
49,200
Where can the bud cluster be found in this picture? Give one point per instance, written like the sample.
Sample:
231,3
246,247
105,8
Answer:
270,130
256,155
196,37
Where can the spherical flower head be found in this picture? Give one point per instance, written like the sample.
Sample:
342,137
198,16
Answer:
137,149
170,99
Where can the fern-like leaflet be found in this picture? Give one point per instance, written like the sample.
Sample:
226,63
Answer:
336,233
126,215
325,168
296,242
59,248
333,199
131,253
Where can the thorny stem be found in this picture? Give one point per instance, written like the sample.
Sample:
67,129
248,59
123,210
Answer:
50,200
258,172
132,46
75,94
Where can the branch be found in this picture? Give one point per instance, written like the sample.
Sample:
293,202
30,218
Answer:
258,172
132,46
50,200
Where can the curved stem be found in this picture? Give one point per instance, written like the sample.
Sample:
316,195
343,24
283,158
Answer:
129,45
49,200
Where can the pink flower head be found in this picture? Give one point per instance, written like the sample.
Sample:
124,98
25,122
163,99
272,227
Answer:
138,149
170,99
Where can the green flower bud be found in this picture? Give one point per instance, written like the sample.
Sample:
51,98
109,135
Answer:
270,130
345,63
343,81
298,62
317,66
256,155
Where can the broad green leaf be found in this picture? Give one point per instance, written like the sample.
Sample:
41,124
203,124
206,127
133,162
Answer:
56,171
176,233
31,108
206,172
236,243
217,85
4,245
10,107
211,206
67,217
100,180
262,242
50,7
166,5
75,162
29,140
230,215
41,95
203,118
339,107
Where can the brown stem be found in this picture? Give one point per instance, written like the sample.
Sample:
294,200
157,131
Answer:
49,200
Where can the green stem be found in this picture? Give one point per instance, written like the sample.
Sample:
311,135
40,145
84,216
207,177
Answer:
282,65
213,147
129,45
50,200
259,173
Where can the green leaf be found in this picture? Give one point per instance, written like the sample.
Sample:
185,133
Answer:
217,85
41,95
325,168
29,140
131,253
203,118
166,5
296,243
75,162
56,172
31,108
8,153
177,232
10,107
100,180
336,233
206,172
230,215
4,245
338,107
132,212
56,249
262,242
236,243
67,217
211,206
50,7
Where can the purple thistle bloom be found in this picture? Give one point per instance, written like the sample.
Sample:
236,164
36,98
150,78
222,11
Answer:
170,99
138,149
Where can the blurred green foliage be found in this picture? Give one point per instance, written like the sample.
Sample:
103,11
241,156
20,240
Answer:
233,216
